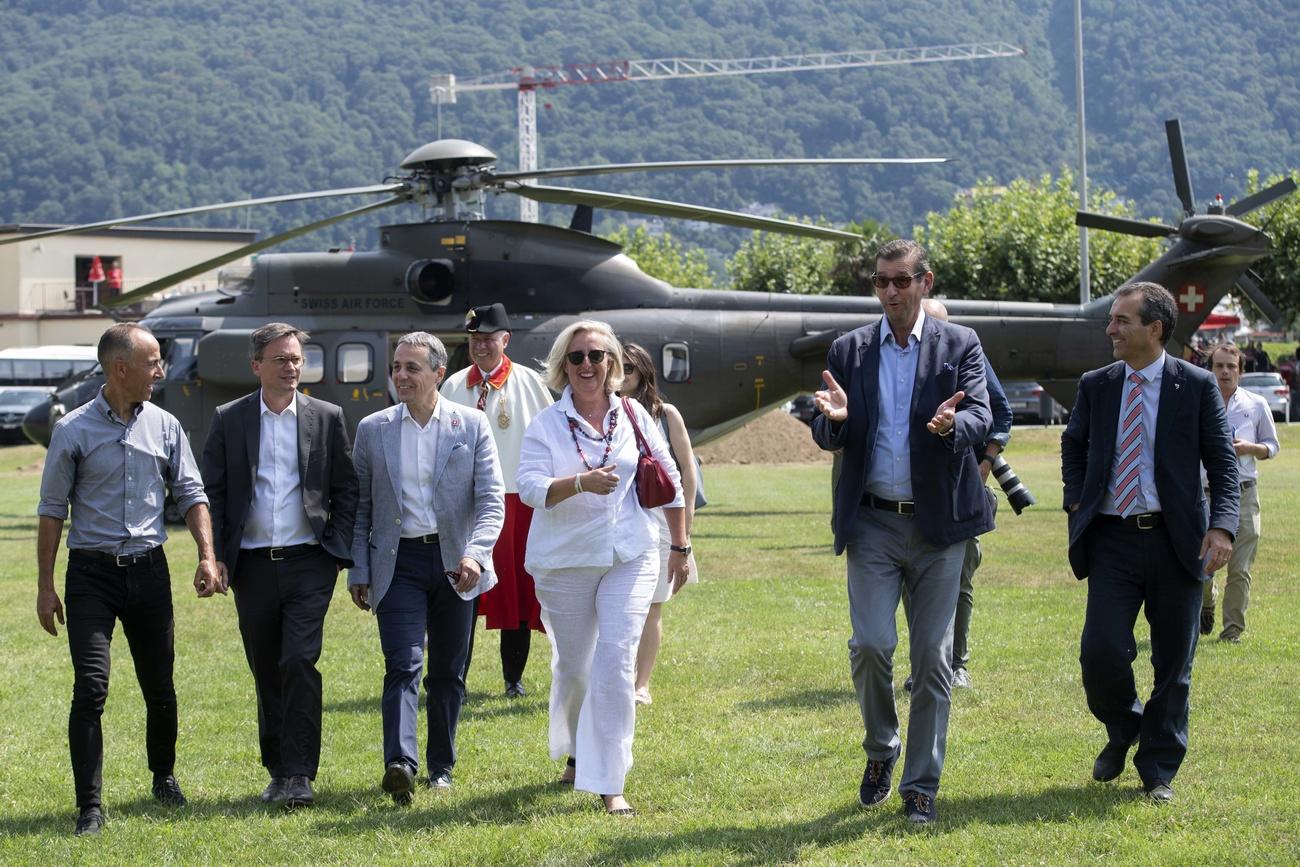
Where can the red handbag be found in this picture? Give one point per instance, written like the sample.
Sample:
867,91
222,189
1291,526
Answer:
654,487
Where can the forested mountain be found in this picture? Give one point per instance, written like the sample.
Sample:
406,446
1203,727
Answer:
115,107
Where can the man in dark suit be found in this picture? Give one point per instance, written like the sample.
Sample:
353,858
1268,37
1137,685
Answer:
278,470
1139,530
906,401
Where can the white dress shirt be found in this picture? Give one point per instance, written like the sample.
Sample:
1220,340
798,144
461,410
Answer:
276,516
588,530
1249,419
1149,501
419,451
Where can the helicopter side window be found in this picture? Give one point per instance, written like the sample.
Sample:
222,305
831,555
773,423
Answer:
181,361
354,362
313,363
676,362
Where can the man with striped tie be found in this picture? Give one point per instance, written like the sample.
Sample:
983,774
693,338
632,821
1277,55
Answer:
1139,529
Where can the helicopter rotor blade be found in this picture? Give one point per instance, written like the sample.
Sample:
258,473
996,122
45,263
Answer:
1123,225
661,208
1246,283
616,168
202,209
247,250
1178,156
1262,198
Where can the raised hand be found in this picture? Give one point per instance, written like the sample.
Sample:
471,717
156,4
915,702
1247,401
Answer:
945,416
832,402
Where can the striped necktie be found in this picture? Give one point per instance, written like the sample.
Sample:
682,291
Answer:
1128,461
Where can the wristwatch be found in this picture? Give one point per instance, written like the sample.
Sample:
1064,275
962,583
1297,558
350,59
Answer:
681,549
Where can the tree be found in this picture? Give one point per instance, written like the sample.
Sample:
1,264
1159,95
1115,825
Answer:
773,262
1020,243
1279,274
663,257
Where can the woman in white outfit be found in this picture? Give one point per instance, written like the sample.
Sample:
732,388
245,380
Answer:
593,553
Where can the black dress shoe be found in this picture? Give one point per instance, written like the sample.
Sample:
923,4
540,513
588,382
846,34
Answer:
298,793
1110,761
1207,621
399,782
274,791
877,780
167,791
1158,791
919,808
89,822
515,690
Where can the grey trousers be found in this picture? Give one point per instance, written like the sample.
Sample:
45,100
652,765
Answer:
885,553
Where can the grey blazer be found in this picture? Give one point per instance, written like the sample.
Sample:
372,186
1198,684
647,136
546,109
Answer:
468,495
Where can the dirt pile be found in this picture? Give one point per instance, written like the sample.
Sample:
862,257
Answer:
773,438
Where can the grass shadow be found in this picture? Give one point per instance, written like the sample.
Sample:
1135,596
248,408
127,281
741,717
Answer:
806,699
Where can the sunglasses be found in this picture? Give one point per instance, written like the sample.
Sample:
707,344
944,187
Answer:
595,356
902,281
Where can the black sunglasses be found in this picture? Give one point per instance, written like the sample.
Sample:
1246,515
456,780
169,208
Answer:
902,281
595,356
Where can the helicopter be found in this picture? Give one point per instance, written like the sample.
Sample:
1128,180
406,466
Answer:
724,356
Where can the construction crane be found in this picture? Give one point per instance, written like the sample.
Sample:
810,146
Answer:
528,79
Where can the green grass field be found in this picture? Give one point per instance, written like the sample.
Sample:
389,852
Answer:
751,751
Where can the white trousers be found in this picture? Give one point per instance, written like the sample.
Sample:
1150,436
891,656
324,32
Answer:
594,618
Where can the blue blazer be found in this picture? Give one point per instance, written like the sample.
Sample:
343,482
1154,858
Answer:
1191,429
468,495
951,503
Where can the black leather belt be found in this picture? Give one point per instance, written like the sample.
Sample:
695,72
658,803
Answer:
120,561
1144,521
904,507
427,539
284,552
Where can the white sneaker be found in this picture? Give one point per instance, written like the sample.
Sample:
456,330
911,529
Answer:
642,696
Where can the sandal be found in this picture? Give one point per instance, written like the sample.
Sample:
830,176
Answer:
570,765
624,812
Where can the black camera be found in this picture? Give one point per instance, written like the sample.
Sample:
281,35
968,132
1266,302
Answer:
1017,494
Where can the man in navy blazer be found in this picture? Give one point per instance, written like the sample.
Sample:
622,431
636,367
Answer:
1139,529
278,469
906,402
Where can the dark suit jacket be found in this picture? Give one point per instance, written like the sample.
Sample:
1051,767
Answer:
951,504
1191,429
329,484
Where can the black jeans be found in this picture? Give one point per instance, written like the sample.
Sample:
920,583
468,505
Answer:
96,595
282,606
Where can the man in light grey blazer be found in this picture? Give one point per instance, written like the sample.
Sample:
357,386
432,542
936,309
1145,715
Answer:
431,507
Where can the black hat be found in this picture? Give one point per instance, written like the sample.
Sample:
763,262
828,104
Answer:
487,319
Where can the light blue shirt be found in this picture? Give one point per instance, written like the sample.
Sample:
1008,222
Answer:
1149,499
890,474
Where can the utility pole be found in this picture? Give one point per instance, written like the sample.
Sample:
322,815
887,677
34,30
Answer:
527,79
1085,280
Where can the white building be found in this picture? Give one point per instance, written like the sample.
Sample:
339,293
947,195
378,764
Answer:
46,295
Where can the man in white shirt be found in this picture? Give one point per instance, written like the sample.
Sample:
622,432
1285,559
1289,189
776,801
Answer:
278,471
1254,438
511,395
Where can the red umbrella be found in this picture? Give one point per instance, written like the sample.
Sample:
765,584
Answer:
96,274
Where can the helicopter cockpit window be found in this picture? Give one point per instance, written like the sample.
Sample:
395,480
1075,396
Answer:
234,279
313,364
676,362
354,362
178,352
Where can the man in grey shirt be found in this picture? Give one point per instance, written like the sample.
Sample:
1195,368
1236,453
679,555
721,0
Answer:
113,460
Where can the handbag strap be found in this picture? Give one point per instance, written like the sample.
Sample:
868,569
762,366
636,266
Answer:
642,446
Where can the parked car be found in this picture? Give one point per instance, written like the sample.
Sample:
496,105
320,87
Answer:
1273,388
1031,404
802,408
15,401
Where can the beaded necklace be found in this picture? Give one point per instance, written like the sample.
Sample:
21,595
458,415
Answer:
608,438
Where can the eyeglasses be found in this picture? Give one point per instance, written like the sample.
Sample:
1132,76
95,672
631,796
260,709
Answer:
902,281
595,356
287,360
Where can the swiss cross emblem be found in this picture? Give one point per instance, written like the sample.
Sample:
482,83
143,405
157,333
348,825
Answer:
1191,298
